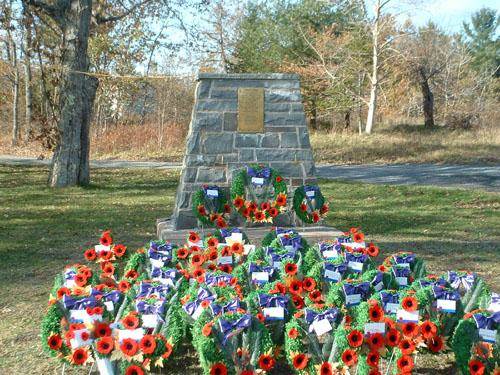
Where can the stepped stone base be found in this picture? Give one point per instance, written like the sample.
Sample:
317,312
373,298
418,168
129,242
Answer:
166,231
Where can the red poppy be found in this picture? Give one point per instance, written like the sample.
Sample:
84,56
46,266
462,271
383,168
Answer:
252,206
105,345
193,237
303,207
132,274
198,272
220,222
106,238
349,357
298,301
212,242
227,209
148,344
405,363
123,286
134,370
212,267
197,260
280,287
374,372
129,347
376,341
260,316
392,337
247,372
324,209
90,254
372,250
355,338
476,367
102,329
410,329
201,210
273,212
79,356
279,179
182,253
237,248
406,346
372,359
212,255
55,342
291,268
326,369
207,330
358,237
300,361
218,369
226,268
315,217
376,313
107,268
266,362
281,199
435,344
315,295
168,350
308,284
238,202
296,287
194,249
63,291
409,303
106,255
130,322
80,279
264,206
246,212
428,329
293,333
259,216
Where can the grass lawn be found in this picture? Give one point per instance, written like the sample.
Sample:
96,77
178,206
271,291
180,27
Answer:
41,230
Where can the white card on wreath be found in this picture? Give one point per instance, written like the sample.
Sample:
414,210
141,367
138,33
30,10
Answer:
391,308
356,266
70,283
260,277
276,265
333,275
310,193
488,335
445,305
407,316
289,248
77,341
237,237
321,326
257,180
402,281
225,260
274,313
354,245
101,248
371,328
150,320
379,286
157,263
134,334
197,312
110,306
405,265
330,254
78,315
199,243
247,249
213,193
352,299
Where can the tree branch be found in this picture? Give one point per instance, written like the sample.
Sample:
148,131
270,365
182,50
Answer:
100,19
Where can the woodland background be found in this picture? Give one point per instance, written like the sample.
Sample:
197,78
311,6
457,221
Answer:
436,92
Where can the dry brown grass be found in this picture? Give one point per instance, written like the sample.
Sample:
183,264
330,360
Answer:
389,144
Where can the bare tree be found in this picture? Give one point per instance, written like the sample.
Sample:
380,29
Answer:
28,92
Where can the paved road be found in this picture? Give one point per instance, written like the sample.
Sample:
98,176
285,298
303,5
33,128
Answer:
465,176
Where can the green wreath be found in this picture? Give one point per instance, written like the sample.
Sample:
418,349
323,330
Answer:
210,206
274,203
309,204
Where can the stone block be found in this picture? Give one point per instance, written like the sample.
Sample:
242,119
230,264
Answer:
229,158
199,160
281,129
227,93
183,200
289,140
297,107
208,121
246,155
189,174
276,107
246,140
230,121
267,155
309,168
303,155
270,141
214,105
211,175
218,143
204,89
288,169
281,119
185,219
304,138
193,143
283,96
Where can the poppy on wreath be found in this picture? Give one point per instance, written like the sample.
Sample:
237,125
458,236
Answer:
266,362
293,333
428,329
79,356
372,359
409,303
355,338
218,369
130,322
295,287
410,329
102,329
291,268
105,345
147,344
54,342
119,250
316,296
406,346
435,344
300,361
326,369
134,370
168,350
405,363
375,341
376,313
308,284
129,347
349,357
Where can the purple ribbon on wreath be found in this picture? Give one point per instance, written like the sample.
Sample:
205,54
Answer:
295,241
325,246
466,280
213,280
264,172
148,290
272,300
378,281
161,248
495,301
160,256
282,231
344,239
439,282
308,188
401,271
311,316
442,293
203,295
387,297
112,296
226,232
340,268
487,322
71,303
404,259
231,306
69,274
363,289
146,308
280,257
168,274
231,328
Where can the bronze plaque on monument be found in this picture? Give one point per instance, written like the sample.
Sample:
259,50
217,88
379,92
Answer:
251,110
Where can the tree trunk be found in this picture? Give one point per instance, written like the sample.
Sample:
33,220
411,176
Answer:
70,163
347,119
314,115
427,100
27,75
12,56
372,105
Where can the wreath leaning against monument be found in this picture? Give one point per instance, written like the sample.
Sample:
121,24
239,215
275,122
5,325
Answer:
210,206
309,204
267,193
